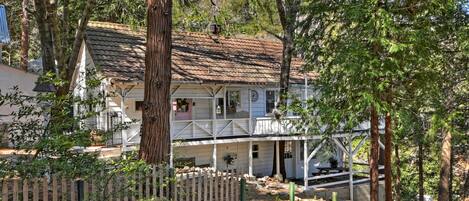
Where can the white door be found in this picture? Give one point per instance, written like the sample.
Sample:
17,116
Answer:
289,159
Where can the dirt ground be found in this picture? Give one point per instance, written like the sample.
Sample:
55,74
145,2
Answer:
270,189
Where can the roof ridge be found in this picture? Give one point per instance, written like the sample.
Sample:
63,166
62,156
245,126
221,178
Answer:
139,29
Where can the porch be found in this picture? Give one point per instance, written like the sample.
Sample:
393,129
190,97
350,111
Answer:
200,112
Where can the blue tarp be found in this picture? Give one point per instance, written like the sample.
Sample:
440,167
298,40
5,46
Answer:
4,32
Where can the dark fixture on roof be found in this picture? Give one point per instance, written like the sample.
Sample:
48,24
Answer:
44,87
215,28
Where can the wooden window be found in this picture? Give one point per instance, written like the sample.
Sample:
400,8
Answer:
288,150
138,105
255,151
182,105
233,99
271,97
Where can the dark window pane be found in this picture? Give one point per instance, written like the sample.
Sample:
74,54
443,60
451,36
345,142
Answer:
255,154
138,105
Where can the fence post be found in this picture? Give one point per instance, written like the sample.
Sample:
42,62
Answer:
334,196
242,189
80,190
291,189
172,184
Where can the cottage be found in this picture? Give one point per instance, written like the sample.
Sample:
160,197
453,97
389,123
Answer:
223,92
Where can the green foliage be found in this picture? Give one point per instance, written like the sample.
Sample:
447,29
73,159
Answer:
402,57
48,129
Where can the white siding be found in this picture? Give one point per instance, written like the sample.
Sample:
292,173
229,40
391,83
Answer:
262,166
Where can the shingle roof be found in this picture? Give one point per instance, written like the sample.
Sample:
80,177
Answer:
119,51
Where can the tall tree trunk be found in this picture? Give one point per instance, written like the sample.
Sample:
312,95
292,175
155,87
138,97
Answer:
464,190
287,11
45,36
397,185
57,36
80,32
388,157
24,36
374,156
443,187
420,170
155,142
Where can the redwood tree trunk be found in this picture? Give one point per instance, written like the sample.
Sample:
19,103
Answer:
155,141
420,170
445,167
24,36
388,157
287,11
374,156
397,185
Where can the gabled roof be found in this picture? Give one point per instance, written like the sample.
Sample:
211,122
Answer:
119,51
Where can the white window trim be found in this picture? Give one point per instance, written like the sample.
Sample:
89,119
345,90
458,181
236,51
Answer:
265,99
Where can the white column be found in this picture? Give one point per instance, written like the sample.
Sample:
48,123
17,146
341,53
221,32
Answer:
305,164
171,151
224,102
171,155
250,159
250,111
350,164
277,159
214,156
123,115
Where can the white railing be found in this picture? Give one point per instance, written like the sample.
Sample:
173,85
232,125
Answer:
220,128
272,126
209,128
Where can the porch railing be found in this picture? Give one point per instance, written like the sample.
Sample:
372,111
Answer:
272,126
211,128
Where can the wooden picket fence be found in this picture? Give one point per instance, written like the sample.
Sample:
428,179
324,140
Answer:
162,184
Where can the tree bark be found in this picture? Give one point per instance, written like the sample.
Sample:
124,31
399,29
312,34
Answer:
80,32
155,141
45,36
397,185
57,36
24,36
420,170
374,156
388,157
445,169
287,11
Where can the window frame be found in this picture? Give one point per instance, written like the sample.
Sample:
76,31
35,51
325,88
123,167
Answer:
136,105
276,97
256,151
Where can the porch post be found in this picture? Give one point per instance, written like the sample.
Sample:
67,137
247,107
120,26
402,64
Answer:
171,155
250,111
171,152
305,164
123,131
250,159
214,156
224,101
350,164
277,159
